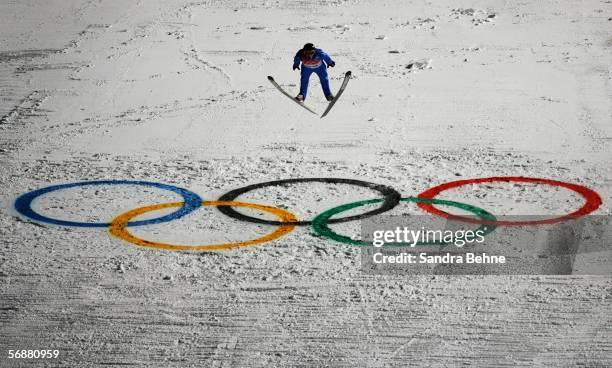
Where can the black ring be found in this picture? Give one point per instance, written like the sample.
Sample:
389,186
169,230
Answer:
392,199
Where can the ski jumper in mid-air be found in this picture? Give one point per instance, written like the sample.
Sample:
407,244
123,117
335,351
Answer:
313,60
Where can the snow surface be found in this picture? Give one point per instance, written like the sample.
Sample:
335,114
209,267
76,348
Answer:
176,92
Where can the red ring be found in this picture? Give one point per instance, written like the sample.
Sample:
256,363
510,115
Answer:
593,200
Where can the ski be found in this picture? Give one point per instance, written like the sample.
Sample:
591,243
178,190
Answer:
288,95
347,76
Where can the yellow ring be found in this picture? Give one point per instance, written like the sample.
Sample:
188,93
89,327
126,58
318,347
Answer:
118,226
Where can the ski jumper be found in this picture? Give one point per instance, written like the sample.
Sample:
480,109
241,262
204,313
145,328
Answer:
317,64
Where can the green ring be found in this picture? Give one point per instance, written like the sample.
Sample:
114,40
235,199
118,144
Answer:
321,227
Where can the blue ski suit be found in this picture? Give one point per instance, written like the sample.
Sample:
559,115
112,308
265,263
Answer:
317,64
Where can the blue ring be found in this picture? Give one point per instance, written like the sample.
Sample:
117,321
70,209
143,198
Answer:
23,204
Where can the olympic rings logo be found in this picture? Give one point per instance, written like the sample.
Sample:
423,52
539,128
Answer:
286,221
